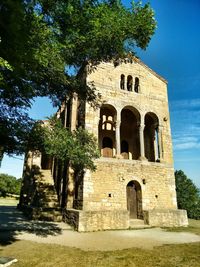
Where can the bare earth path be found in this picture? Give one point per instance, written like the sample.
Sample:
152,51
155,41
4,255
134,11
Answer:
14,226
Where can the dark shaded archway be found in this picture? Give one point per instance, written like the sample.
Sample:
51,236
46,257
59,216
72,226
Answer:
129,133
107,147
107,143
151,137
46,162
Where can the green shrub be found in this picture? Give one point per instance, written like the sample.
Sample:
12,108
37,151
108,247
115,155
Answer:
188,196
9,185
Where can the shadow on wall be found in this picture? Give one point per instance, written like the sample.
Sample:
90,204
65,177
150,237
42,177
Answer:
12,222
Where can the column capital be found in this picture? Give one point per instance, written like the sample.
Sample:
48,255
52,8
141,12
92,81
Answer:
117,123
141,126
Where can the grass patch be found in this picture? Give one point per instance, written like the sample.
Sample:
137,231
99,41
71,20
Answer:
194,227
9,201
45,255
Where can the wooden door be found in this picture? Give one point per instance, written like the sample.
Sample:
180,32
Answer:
107,152
132,200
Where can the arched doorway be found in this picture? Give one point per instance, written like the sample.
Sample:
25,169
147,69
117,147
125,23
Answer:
134,200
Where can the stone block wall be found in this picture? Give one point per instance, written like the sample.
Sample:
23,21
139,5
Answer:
152,97
166,218
85,221
104,192
105,189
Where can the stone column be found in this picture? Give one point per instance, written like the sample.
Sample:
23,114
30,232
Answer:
74,108
155,144
142,150
117,137
70,188
160,147
65,121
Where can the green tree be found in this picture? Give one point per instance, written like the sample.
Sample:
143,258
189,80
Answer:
188,196
9,185
79,147
41,39
28,51
76,149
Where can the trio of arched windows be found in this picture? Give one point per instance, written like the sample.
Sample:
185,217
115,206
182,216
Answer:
128,84
129,138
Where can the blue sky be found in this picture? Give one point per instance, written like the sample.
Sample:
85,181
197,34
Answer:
174,53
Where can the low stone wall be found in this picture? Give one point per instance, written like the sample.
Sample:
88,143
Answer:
166,218
85,221
71,216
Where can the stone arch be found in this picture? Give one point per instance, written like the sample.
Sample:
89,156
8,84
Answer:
134,199
129,131
107,129
151,142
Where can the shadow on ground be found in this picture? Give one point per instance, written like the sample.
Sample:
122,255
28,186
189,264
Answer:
12,222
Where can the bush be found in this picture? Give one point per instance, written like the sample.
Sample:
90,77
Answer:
188,196
9,185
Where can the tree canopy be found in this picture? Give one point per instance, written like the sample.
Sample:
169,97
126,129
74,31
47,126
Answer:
79,147
41,39
188,195
9,185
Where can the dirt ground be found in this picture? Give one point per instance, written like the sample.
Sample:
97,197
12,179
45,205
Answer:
14,226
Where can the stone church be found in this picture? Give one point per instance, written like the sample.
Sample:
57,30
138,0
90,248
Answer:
134,183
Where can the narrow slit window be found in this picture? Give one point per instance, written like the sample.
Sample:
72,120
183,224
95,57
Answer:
136,87
122,82
129,83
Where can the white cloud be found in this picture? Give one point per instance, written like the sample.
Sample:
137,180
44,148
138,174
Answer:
188,145
185,104
186,141
185,119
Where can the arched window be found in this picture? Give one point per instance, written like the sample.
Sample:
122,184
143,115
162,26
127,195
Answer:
136,86
152,149
130,83
107,130
122,82
129,132
107,147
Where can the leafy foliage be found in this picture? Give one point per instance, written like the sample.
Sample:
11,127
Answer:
40,39
27,50
79,147
188,197
9,185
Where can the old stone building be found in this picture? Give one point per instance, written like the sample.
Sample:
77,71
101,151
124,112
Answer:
134,180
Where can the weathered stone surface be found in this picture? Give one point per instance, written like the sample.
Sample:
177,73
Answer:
134,178
86,221
166,218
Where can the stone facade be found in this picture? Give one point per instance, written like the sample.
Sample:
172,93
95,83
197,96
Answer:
147,163
134,179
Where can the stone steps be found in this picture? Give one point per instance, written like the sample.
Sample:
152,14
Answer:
137,224
45,206
47,214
